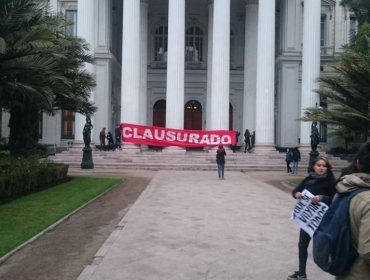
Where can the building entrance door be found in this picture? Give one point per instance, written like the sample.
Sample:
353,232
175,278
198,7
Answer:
193,115
159,113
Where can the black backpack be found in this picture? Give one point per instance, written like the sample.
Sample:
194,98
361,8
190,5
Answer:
333,250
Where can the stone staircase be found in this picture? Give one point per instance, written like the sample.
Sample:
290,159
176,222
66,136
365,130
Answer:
112,161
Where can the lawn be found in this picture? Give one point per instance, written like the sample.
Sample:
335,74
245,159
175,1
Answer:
27,216
294,182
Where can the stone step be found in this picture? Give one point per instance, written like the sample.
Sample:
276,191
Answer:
193,160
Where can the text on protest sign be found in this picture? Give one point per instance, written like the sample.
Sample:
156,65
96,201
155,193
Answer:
161,136
308,215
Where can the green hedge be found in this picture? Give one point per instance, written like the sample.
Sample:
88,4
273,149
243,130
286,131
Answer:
22,176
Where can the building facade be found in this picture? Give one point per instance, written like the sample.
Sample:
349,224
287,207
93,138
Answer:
204,64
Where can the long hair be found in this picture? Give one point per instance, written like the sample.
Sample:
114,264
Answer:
325,159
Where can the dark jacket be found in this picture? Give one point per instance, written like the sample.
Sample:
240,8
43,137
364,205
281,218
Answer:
324,187
220,156
296,155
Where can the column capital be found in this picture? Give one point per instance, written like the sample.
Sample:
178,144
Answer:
210,2
144,1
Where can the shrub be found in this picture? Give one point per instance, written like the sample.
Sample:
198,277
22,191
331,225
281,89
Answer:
19,176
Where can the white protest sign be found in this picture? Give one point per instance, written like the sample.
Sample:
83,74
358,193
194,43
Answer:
308,215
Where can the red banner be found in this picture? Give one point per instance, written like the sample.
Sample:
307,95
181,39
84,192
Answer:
160,136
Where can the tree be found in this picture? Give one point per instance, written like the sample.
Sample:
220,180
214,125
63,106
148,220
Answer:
40,70
347,92
361,9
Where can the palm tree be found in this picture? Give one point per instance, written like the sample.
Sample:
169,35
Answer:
347,92
40,70
361,9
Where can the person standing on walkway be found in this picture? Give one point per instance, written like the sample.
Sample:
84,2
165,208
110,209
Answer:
247,140
321,183
220,159
359,214
288,160
296,157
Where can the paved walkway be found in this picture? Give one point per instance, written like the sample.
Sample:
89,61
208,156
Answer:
192,226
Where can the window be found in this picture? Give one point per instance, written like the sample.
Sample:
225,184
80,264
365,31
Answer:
323,30
71,16
68,124
160,43
352,28
194,44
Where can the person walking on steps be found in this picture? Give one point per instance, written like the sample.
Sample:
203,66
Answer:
296,157
321,183
220,159
117,136
253,139
234,147
247,140
102,137
288,160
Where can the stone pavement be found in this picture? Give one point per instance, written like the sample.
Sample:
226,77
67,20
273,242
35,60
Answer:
190,225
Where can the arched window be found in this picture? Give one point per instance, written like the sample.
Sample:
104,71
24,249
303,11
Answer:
194,44
160,43
159,113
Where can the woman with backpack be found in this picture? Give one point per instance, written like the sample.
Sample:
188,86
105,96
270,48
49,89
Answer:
321,183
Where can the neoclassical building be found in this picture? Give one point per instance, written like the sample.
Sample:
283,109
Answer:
204,64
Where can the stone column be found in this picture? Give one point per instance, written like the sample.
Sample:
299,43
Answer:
220,65
143,97
310,63
341,21
265,75
85,30
250,64
143,109
209,65
130,82
175,65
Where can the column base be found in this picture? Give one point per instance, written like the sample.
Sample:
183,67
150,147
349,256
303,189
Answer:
263,149
305,148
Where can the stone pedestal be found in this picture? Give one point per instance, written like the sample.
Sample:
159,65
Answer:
87,160
313,156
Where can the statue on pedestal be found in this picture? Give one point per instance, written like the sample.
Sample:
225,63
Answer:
87,160
315,138
87,132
